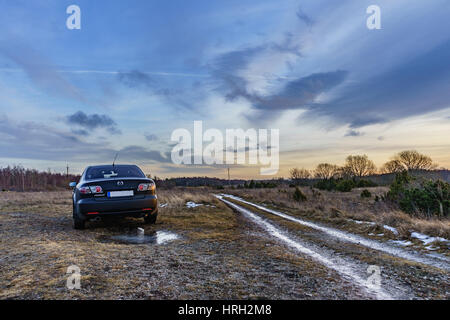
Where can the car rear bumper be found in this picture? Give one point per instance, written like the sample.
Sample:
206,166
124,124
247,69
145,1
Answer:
92,207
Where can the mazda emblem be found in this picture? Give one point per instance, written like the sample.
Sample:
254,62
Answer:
120,183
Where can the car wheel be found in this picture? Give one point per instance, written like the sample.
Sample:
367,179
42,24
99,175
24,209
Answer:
151,219
77,222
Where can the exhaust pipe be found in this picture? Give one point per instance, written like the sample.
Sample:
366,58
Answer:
97,219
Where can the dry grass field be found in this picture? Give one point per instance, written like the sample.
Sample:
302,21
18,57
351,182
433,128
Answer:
217,253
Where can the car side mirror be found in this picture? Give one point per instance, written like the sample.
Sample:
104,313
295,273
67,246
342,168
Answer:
72,184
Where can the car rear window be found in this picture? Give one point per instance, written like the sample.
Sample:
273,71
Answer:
110,172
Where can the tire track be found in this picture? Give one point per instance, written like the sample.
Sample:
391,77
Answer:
441,263
344,268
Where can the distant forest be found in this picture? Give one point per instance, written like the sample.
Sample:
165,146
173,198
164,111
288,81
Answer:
21,179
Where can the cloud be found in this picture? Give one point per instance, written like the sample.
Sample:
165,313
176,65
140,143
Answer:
235,72
300,93
151,137
226,68
132,153
304,17
31,140
354,133
135,79
413,87
93,121
80,132
294,93
164,85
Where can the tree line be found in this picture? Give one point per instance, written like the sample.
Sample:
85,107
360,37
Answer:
358,166
18,178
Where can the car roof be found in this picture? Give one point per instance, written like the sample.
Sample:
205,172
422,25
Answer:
110,165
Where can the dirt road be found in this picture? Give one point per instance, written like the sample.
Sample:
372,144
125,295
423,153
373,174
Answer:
382,270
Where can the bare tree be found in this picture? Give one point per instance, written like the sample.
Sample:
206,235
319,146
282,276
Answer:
359,166
326,171
392,166
413,160
297,174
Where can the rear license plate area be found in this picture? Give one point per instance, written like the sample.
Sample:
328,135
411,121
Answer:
116,194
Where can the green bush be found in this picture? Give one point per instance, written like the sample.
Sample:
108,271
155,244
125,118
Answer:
417,195
298,195
366,194
326,184
345,185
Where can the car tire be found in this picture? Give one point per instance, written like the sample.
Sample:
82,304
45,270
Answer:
151,218
78,223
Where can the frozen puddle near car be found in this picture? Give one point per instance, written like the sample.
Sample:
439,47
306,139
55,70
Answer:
431,260
158,237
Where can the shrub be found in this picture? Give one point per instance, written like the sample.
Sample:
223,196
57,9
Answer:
417,195
366,194
326,184
298,195
345,185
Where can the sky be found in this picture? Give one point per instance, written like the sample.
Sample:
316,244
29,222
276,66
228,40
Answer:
138,70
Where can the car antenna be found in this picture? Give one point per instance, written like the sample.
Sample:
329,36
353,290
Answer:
114,161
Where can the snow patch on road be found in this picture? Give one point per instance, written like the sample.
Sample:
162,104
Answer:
427,239
391,229
165,236
403,243
191,204
362,222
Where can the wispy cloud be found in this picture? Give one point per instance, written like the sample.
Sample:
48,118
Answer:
40,71
304,17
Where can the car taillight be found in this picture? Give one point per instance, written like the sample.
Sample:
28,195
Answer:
96,189
146,186
85,190
92,189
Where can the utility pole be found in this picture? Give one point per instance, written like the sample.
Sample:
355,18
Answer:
229,182
67,170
